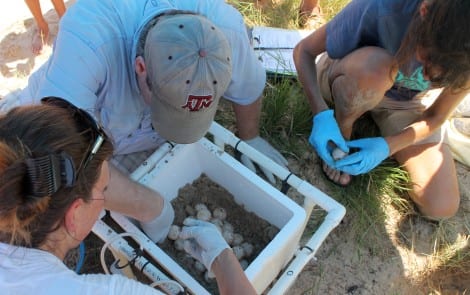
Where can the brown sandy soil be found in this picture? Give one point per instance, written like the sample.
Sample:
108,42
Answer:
397,258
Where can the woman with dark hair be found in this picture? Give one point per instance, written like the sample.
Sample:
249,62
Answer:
53,177
390,57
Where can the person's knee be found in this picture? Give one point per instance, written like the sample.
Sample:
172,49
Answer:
373,57
380,72
368,72
439,207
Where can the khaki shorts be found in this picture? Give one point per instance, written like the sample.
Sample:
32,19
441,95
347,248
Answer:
129,162
391,116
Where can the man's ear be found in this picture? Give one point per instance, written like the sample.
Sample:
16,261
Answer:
139,66
72,217
423,8
141,73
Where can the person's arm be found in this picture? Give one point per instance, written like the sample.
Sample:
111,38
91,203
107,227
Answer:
131,198
230,276
247,119
139,202
325,128
372,151
353,27
204,242
305,54
59,7
431,119
34,7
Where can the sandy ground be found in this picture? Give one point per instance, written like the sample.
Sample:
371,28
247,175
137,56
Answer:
343,266
16,31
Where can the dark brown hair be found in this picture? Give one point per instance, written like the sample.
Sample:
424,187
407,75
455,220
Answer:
34,131
443,34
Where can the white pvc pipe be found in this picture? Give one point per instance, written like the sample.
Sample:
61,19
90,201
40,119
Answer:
304,255
305,188
160,256
120,245
223,135
313,196
335,214
148,164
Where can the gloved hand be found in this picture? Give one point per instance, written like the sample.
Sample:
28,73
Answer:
372,151
326,129
157,229
264,147
202,241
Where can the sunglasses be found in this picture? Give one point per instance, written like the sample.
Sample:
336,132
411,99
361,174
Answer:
87,122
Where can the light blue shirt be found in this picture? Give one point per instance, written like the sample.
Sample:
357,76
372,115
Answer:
92,64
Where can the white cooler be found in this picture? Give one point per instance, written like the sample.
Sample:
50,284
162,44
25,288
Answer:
279,263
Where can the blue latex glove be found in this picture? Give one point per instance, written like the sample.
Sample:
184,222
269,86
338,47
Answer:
268,150
326,129
372,151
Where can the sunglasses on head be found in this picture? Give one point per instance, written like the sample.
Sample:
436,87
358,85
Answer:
85,121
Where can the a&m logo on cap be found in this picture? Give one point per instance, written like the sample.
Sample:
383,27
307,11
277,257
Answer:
197,102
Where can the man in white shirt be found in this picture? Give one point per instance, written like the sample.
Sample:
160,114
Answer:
151,71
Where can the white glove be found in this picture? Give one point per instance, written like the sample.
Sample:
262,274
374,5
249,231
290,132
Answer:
202,241
268,150
157,229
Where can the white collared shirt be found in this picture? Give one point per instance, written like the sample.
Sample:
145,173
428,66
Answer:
32,271
92,64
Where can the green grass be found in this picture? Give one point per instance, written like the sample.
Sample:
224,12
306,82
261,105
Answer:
282,14
286,123
332,7
286,117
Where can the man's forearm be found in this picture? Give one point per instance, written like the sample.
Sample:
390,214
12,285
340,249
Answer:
131,198
248,117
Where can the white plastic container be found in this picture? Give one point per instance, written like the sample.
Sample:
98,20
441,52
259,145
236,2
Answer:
185,163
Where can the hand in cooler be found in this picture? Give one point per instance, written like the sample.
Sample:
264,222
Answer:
202,241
